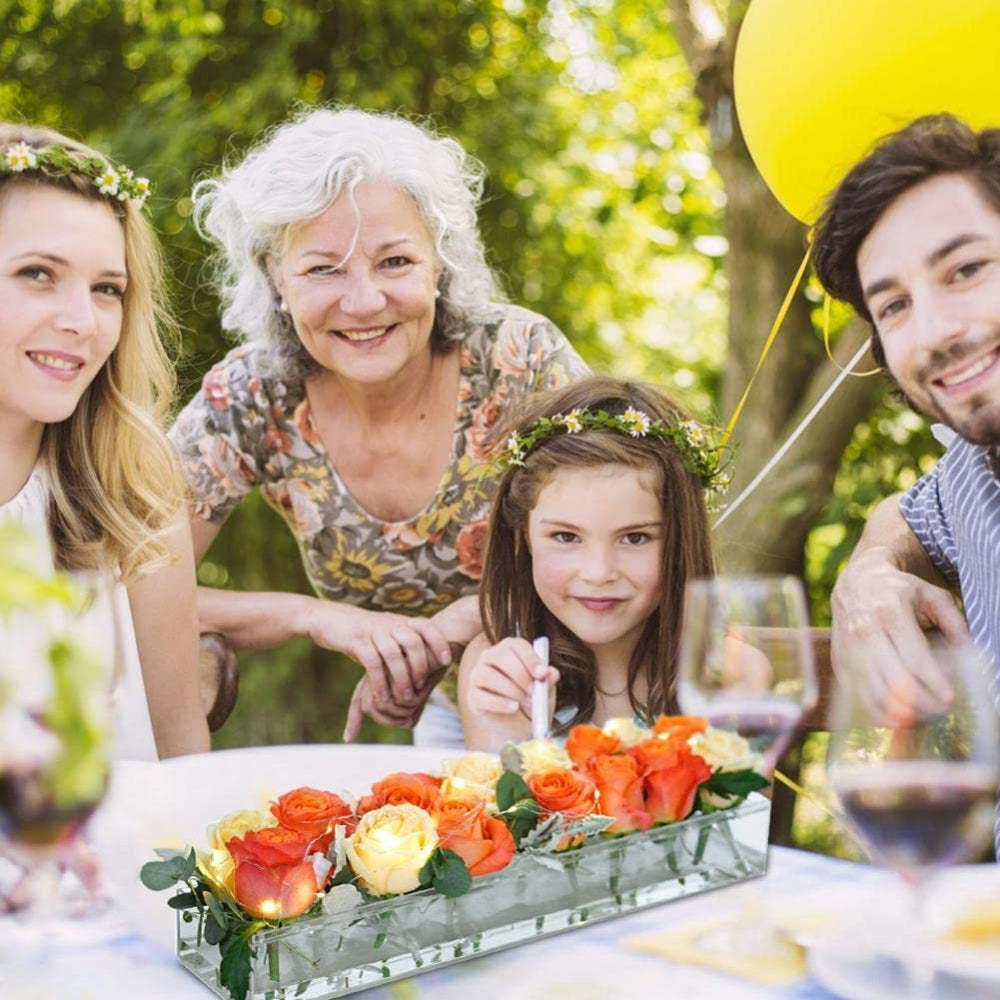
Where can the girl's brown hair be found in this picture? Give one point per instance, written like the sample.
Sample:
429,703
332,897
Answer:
507,599
115,481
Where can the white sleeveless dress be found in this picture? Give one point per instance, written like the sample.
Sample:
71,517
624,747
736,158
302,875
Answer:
106,625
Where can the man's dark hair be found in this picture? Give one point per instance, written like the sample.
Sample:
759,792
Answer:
929,146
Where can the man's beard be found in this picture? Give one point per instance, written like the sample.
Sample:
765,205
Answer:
980,423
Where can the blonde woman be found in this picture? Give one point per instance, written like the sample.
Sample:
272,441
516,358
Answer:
84,387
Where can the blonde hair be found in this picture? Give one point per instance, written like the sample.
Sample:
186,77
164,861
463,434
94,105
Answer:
115,481
510,606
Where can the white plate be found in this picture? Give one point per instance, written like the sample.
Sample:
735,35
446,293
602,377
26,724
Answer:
874,947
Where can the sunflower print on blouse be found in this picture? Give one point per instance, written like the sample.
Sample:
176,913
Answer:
245,429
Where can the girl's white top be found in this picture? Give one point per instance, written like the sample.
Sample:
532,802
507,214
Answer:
106,625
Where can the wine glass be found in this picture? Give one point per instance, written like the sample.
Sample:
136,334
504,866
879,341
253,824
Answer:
55,738
745,660
916,772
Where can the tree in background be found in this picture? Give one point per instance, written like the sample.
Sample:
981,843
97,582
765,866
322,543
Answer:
621,202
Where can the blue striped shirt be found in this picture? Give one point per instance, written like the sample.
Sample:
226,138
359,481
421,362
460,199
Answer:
955,513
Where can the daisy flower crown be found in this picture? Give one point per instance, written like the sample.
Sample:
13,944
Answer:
701,457
111,180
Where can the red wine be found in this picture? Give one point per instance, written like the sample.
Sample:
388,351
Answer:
28,814
915,814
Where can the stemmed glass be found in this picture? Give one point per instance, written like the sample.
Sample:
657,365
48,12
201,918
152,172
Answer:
916,771
55,738
745,661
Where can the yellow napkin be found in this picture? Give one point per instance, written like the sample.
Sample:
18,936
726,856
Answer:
976,924
745,944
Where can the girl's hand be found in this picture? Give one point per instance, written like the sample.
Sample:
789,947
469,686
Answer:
399,654
494,691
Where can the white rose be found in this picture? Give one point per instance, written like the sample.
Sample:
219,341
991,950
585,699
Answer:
626,731
723,750
390,846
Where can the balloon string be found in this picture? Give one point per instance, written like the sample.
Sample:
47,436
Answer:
826,343
775,327
793,437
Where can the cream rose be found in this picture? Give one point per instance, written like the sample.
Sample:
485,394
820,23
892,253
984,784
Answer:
724,751
217,863
626,731
390,846
472,775
542,756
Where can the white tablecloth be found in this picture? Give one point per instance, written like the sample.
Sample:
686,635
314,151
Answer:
171,803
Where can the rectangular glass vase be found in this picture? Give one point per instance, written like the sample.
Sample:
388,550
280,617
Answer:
533,897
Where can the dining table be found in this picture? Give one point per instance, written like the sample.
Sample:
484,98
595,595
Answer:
131,952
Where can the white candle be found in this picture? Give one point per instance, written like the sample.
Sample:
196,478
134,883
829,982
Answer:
540,694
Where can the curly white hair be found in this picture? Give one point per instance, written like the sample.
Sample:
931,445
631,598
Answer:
294,174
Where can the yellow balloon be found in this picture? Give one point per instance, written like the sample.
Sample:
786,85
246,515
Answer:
817,82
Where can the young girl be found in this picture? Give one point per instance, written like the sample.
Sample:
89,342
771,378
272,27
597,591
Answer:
84,386
599,521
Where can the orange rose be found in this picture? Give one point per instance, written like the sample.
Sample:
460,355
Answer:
585,742
274,845
671,788
563,791
482,841
681,726
314,814
275,893
396,789
651,755
619,792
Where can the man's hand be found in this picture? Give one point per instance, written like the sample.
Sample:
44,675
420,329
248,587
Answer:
880,613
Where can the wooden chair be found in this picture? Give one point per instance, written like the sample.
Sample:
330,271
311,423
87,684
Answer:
783,799
220,678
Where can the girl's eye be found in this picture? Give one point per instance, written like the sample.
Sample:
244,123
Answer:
35,273
565,537
636,537
397,261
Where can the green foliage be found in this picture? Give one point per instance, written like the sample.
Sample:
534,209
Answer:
740,783
177,867
447,873
516,805
888,452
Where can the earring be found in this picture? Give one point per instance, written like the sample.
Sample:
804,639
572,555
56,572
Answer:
282,305
437,293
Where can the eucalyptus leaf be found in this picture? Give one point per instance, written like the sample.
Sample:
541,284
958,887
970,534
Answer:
159,875
183,901
451,876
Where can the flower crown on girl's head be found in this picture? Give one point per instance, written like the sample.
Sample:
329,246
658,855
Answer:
700,456
111,180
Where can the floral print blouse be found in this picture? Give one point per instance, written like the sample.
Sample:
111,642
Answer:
245,429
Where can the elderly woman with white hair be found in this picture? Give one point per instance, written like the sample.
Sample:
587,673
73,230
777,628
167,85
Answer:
374,370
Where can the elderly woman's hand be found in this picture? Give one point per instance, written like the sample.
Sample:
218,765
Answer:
365,702
399,653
